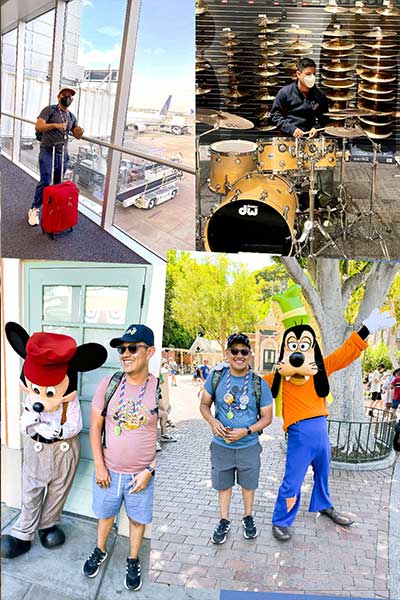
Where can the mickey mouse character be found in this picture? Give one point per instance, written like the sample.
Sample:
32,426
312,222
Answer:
51,421
300,387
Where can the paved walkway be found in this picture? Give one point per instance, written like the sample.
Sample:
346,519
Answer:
322,558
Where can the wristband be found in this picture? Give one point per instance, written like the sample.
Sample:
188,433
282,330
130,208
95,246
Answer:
249,431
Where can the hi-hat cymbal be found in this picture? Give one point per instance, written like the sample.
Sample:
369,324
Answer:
388,11
338,44
372,96
376,77
200,91
267,73
264,21
375,108
379,65
224,120
339,66
335,9
378,33
265,95
298,30
376,88
338,84
338,32
201,7
381,44
344,132
333,95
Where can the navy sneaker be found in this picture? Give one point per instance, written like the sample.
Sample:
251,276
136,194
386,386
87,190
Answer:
92,565
133,577
249,529
221,531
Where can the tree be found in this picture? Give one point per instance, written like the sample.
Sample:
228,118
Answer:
215,297
174,335
329,292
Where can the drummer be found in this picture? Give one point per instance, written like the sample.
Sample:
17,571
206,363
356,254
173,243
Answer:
299,110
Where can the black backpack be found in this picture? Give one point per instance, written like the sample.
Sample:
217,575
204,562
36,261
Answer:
256,382
110,391
71,119
396,439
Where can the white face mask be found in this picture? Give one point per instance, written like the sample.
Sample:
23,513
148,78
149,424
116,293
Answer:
309,81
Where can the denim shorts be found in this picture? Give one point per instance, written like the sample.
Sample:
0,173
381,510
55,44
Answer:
107,502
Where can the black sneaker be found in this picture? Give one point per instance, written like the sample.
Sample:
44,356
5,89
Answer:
220,532
249,529
133,578
92,565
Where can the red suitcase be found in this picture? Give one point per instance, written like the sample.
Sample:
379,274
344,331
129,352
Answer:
60,205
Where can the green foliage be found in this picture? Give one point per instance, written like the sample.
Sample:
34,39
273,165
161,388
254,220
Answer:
373,356
174,335
215,297
273,279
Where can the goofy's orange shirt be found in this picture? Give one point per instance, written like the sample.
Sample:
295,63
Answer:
302,402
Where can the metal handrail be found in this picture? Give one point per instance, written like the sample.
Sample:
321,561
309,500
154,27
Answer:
122,149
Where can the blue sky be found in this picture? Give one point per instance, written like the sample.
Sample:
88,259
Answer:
164,61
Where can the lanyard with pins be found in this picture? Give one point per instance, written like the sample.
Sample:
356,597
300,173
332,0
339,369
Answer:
65,119
118,414
229,398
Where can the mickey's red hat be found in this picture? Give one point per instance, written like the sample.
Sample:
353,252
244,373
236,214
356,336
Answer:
47,357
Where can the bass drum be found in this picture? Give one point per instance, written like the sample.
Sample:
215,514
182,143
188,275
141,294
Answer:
257,215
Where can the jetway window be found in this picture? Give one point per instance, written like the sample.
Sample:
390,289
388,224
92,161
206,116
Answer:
8,70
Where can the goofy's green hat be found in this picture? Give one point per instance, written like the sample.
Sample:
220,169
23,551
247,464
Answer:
292,307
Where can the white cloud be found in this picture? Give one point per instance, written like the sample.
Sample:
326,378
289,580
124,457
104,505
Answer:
154,51
91,58
87,3
110,31
86,43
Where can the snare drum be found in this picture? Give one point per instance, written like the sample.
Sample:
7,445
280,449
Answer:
323,150
279,154
230,159
257,215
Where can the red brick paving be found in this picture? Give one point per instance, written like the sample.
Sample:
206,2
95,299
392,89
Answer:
321,558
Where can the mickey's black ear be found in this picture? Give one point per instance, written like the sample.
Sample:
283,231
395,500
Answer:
17,337
321,382
88,357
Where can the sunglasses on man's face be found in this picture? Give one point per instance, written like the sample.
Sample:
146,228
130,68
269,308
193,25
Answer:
236,351
132,348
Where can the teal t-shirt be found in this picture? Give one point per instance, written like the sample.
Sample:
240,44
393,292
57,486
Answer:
241,417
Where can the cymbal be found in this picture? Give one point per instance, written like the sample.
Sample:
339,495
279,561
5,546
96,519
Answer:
200,91
339,67
344,113
378,133
336,76
338,32
297,30
268,53
268,82
381,45
231,52
379,54
264,74
374,108
268,43
295,46
342,84
341,95
344,132
202,67
265,95
230,43
375,88
230,35
201,7
376,77
388,11
233,103
266,128
268,30
376,120
379,65
234,93
224,120
360,9
371,96
264,21
331,54
263,114
266,64
338,45
335,9
378,33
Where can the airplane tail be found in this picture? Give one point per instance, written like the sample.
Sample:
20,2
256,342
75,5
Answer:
165,107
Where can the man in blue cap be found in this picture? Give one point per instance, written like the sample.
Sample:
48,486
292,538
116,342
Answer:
123,436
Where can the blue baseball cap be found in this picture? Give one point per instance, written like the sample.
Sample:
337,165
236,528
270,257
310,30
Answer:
238,338
135,333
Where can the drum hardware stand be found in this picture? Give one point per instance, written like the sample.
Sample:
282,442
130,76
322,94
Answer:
199,236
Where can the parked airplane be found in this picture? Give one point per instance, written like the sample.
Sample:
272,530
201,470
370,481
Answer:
139,121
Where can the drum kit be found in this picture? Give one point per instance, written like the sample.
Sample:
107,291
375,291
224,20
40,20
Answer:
258,184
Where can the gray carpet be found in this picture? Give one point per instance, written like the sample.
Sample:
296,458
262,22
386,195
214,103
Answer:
88,242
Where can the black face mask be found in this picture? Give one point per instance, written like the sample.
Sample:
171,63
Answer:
66,101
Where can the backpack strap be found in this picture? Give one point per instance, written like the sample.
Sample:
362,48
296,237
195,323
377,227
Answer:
256,380
158,396
109,393
216,378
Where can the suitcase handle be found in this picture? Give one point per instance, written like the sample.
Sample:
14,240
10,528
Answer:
53,163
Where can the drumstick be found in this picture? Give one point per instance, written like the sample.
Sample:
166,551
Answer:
321,129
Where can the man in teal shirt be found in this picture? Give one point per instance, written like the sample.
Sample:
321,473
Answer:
243,407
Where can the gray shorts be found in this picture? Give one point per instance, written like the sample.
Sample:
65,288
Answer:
230,464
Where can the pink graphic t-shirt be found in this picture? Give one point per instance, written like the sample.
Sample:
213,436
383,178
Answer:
134,447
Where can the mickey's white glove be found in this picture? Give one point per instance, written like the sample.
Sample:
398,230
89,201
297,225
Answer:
378,320
50,431
28,418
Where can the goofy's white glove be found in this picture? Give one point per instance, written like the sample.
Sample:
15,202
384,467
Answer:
50,431
28,418
378,320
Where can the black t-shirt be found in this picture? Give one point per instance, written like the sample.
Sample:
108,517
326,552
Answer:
53,114
292,109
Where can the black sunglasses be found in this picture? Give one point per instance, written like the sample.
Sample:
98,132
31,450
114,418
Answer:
236,351
132,348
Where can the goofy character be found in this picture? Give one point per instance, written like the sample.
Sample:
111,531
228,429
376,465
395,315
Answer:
51,421
300,387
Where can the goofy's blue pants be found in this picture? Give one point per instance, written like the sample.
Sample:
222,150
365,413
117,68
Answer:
308,444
